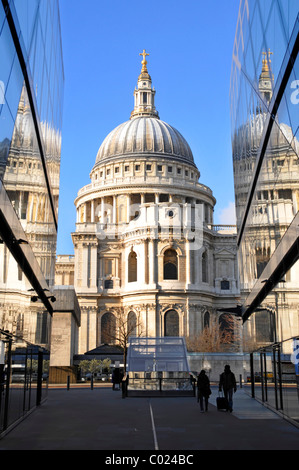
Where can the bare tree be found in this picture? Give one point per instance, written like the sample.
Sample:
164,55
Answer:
216,338
120,331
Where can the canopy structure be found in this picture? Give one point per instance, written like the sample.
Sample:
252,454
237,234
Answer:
158,366
167,354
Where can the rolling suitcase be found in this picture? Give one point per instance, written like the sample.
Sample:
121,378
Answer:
222,403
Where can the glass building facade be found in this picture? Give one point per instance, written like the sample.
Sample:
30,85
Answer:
31,96
264,97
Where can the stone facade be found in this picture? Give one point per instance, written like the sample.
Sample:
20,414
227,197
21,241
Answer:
64,335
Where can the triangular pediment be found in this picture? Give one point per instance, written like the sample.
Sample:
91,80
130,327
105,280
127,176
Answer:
224,253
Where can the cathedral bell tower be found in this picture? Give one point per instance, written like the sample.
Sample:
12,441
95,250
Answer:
144,94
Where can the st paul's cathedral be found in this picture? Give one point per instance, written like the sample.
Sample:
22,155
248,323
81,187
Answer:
146,250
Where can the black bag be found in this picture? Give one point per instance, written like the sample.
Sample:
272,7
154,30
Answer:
222,403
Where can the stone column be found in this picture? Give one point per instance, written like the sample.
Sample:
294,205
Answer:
151,262
128,207
31,208
85,265
20,203
92,328
188,263
197,267
36,207
92,211
210,267
93,267
102,209
114,210
146,262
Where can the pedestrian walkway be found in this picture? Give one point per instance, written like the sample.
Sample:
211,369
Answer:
100,419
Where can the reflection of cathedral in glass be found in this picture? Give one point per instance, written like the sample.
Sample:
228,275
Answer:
30,197
274,204
30,145
25,185
277,197
146,249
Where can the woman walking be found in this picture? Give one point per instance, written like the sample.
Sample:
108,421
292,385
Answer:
203,390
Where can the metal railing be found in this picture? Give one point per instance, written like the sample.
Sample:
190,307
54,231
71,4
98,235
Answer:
160,386
273,378
23,381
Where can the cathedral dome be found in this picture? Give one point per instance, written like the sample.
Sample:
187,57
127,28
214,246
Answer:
145,136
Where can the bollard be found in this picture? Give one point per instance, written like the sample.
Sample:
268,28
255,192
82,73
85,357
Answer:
240,380
124,387
91,382
68,382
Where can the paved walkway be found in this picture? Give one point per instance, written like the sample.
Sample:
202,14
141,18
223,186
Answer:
99,419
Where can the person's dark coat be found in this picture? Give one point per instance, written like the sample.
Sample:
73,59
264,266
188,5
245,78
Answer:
227,380
203,384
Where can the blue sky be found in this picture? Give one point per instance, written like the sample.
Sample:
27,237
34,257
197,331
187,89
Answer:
190,45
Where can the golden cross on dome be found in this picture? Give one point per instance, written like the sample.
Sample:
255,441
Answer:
144,54
268,55
266,61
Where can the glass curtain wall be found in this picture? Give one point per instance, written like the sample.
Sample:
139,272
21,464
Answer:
31,96
264,111
264,96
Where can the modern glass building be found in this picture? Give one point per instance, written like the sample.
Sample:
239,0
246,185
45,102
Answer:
264,98
31,95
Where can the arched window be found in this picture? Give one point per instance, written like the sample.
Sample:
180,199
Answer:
226,324
204,267
108,328
170,262
132,324
132,267
206,320
171,323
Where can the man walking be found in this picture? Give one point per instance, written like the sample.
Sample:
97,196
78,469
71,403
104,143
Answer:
229,385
